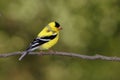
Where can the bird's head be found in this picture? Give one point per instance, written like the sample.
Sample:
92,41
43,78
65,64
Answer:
54,26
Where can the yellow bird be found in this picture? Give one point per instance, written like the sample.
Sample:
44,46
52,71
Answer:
47,38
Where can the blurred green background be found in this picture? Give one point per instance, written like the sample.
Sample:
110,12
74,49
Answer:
89,27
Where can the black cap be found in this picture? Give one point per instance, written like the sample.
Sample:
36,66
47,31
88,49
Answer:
57,24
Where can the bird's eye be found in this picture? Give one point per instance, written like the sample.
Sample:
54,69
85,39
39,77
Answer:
48,30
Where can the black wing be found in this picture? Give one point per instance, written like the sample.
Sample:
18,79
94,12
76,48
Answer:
35,44
39,41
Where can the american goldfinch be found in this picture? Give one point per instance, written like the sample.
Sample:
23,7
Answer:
45,39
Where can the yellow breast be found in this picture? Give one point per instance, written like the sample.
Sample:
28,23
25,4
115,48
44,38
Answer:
49,44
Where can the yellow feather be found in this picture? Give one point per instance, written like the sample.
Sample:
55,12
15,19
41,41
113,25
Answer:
50,30
49,44
45,32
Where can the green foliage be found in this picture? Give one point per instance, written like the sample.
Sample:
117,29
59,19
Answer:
89,27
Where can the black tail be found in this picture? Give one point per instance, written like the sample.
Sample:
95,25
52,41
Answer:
23,55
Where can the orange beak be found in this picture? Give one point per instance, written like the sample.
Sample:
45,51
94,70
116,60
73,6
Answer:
60,28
